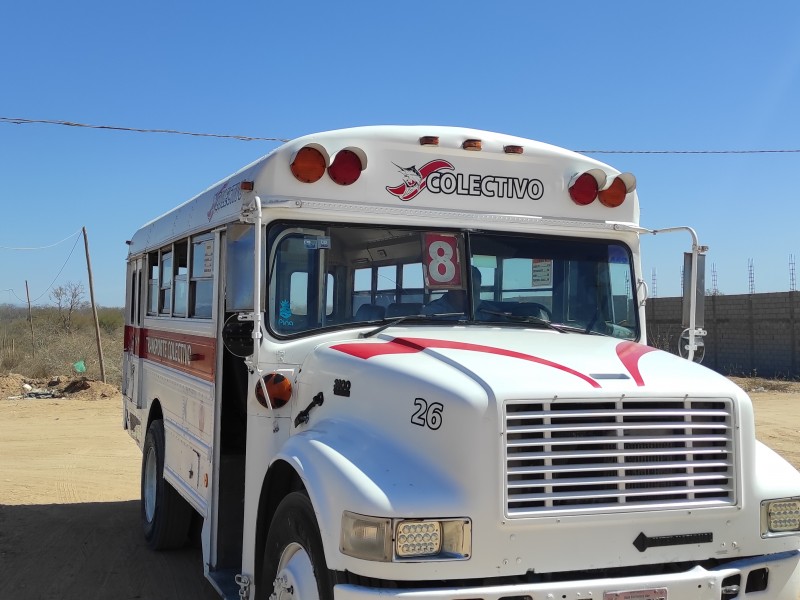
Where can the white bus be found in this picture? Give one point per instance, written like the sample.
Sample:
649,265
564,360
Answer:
412,362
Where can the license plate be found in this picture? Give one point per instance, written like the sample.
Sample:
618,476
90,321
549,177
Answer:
651,594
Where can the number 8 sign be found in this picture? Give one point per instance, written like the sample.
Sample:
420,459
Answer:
442,261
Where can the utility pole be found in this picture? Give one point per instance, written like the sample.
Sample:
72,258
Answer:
30,319
94,308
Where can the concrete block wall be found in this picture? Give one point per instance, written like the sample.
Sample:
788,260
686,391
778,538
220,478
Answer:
752,334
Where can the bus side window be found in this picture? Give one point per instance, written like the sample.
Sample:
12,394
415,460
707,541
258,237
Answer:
181,285
201,278
152,283
165,293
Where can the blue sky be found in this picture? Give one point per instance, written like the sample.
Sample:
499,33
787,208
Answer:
583,75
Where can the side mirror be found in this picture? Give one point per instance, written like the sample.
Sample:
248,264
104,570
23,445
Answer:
690,343
699,299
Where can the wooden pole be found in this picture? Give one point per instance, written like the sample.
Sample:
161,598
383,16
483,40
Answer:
94,308
30,319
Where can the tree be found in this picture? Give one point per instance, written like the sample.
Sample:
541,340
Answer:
68,299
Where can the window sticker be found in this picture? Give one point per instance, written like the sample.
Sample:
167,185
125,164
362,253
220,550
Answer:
285,314
541,273
317,243
208,259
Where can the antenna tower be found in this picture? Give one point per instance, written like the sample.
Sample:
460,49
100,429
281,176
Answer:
751,275
655,283
792,278
714,288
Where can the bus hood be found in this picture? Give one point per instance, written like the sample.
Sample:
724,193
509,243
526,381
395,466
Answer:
509,362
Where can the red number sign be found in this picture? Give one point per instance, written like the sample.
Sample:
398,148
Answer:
442,261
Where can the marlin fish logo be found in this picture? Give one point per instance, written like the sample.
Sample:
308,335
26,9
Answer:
414,180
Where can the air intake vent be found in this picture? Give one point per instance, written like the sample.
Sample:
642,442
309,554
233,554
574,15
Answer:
620,454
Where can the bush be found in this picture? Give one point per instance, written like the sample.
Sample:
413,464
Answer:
57,349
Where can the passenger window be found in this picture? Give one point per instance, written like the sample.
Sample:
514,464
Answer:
165,296
181,290
152,284
201,285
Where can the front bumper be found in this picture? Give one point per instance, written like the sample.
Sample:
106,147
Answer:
782,572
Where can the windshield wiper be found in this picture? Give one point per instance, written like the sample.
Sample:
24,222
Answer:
530,319
583,330
397,320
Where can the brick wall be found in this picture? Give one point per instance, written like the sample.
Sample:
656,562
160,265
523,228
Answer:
753,334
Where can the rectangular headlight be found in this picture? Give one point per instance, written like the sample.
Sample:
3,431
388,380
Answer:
418,538
443,539
366,537
780,516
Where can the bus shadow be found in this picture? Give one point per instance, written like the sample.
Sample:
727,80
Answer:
92,550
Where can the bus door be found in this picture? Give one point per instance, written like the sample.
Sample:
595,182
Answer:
132,352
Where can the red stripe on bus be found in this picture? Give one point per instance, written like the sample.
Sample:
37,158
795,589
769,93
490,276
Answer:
192,354
411,345
630,353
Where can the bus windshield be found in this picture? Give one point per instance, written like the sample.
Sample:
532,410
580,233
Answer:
330,275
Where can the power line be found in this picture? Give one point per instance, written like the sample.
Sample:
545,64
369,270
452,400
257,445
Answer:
49,287
242,138
42,247
247,138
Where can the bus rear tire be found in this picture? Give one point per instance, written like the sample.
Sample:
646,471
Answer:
166,516
294,566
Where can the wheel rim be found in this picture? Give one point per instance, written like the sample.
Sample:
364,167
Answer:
150,483
295,579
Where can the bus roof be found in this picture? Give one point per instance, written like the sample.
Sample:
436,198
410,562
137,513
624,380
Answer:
421,170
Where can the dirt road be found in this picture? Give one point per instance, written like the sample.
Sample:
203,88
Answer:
69,490
69,507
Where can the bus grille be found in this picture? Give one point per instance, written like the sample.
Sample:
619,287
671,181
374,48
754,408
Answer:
621,454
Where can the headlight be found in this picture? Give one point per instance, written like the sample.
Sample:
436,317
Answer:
374,538
365,537
418,538
780,516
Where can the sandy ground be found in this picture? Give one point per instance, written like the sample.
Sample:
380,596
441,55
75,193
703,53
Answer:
69,496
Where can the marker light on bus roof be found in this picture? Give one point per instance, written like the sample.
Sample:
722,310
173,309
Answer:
346,167
613,194
429,140
583,187
473,145
308,165
512,149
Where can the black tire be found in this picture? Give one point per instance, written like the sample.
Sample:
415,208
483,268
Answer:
293,525
166,516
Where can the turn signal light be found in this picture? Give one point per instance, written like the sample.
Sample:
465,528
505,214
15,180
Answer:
278,391
308,164
614,194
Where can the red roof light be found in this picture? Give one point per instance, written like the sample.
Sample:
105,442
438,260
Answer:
584,189
346,167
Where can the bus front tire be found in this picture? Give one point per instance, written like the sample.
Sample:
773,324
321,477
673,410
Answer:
294,566
166,516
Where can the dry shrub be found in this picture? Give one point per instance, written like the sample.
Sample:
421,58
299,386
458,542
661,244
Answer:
57,350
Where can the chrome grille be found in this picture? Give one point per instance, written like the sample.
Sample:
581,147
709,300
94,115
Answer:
620,454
